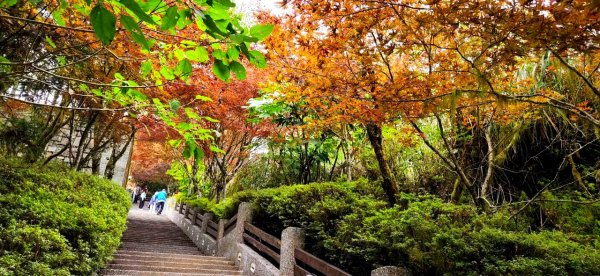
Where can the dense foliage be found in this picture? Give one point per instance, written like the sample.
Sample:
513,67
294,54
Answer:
55,221
350,225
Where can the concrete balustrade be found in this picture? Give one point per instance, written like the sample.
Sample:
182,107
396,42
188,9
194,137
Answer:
232,246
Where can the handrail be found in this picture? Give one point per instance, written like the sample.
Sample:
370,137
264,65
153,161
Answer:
299,271
266,244
273,241
199,218
231,221
229,225
211,232
213,224
318,264
262,248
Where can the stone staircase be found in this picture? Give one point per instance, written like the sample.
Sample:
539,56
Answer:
153,245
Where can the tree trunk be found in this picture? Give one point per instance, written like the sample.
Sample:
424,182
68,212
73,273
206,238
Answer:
491,156
389,185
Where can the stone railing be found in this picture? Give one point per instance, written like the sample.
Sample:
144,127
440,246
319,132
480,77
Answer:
254,251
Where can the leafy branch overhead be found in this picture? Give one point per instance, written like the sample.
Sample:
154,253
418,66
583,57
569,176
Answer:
145,49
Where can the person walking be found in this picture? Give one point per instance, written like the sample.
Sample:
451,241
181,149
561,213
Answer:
142,199
136,194
152,205
161,198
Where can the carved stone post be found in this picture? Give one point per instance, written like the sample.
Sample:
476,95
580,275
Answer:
221,231
291,238
204,226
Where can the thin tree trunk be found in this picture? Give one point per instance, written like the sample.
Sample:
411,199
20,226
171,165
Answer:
389,185
491,157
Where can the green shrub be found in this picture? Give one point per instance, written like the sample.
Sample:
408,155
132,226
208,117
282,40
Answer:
57,221
350,225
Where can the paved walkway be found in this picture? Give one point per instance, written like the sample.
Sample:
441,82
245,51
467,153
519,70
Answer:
153,245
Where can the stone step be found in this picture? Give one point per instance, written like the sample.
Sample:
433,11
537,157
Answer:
167,251
180,264
170,258
158,238
154,246
231,270
185,249
169,242
154,273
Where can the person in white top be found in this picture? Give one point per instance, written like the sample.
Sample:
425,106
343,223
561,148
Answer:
142,199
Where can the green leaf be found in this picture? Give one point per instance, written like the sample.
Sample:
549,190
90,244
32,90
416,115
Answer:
50,42
216,149
226,3
212,120
152,5
184,69
170,19
137,95
233,52
185,18
58,18
6,68
146,67
188,44
261,31
119,76
219,54
136,31
211,26
174,105
221,70
238,69
7,3
239,39
179,54
137,10
167,73
191,114
203,98
257,59
198,154
103,22
218,12
62,60
198,55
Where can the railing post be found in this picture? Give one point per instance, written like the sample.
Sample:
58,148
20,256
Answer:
244,215
228,246
221,231
291,238
194,211
181,208
205,220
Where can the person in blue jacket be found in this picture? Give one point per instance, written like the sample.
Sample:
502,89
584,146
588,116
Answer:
161,198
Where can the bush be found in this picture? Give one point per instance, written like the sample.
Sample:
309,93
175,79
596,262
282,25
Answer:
350,225
55,221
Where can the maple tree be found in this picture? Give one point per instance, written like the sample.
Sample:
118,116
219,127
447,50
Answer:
373,62
120,57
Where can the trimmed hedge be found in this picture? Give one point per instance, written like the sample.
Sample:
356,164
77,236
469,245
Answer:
54,221
349,225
